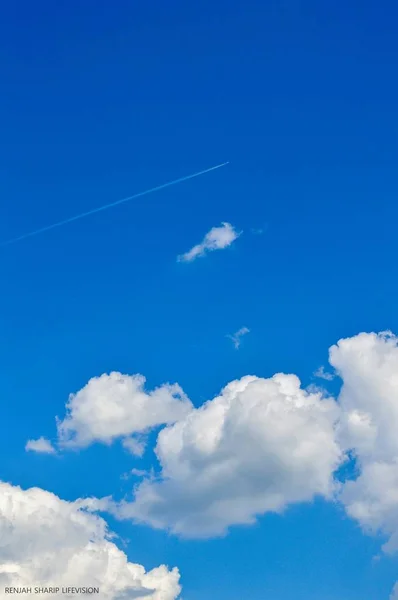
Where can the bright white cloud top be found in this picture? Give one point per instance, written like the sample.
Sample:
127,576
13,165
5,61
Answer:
218,238
47,541
368,365
259,446
266,443
116,406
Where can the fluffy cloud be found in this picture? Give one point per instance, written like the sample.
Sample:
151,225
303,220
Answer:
217,238
41,446
368,365
259,446
116,406
47,542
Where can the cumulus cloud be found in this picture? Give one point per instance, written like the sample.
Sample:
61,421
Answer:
236,337
117,406
41,446
217,238
368,366
259,446
48,542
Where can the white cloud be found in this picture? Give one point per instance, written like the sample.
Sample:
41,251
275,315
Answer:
48,542
236,337
322,374
134,445
41,446
258,447
117,406
368,365
217,238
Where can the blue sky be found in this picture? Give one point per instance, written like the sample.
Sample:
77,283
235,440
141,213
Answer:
99,102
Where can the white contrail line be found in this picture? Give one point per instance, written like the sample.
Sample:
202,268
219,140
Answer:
106,206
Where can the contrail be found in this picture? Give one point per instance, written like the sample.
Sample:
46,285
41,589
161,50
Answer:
106,206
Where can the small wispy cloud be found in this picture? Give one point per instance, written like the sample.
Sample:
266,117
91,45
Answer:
41,446
134,473
217,238
236,337
134,445
322,374
260,229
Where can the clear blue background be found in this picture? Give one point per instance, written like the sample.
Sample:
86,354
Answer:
100,100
